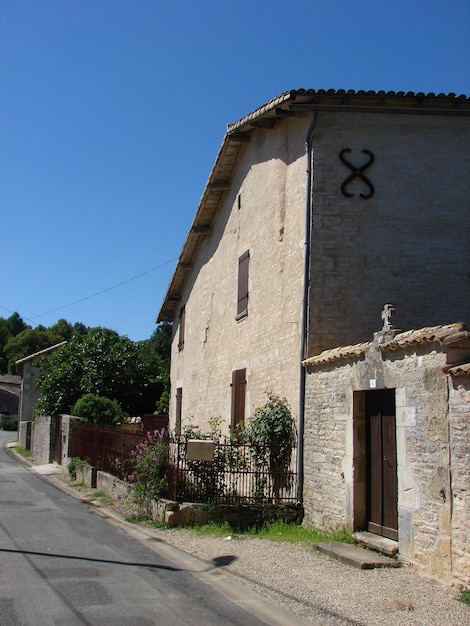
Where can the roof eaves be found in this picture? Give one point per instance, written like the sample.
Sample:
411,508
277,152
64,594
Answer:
338,354
238,133
36,355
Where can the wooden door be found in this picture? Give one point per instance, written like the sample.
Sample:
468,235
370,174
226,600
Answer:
382,483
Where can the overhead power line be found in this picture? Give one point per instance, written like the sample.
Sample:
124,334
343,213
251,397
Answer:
98,293
93,295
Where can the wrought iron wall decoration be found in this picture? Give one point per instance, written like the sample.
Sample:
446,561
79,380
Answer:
357,172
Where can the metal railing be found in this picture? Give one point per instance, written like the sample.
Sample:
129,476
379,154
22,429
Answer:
234,476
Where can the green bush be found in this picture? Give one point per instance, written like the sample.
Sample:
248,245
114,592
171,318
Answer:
10,422
75,464
94,409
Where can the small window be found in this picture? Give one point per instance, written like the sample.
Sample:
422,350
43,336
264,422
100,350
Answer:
242,300
238,397
179,409
182,321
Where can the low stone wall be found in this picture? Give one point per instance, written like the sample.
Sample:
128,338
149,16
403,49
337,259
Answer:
195,514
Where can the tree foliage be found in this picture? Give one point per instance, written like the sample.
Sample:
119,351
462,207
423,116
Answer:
9,327
95,360
155,354
18,340
28,342
101,363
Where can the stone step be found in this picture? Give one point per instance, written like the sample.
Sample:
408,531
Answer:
356,556
386,546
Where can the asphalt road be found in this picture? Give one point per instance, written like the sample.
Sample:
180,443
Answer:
62,562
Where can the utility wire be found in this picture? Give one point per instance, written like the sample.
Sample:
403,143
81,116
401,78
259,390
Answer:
94,295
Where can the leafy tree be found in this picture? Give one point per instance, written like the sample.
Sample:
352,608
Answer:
66,330
155,355
28,342
98,410
9,327
101,362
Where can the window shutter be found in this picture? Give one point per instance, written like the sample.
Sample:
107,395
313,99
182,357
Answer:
179,408
182,321
242,301
238,397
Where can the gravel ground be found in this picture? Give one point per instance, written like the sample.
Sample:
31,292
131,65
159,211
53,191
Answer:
323,590
311,585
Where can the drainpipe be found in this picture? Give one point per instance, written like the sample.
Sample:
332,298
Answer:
305,309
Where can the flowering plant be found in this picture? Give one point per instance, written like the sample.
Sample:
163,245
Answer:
148,462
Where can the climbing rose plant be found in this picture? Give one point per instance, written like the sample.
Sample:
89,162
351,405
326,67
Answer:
271,435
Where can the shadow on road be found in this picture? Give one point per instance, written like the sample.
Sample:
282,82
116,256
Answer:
92,560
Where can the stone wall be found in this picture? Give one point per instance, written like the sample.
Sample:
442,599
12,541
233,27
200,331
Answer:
263,213
401,244
433,466
195,514
459,425
398,245
41,439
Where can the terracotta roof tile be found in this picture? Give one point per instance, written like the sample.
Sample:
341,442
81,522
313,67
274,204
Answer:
459,370
444,334
430,334
337,354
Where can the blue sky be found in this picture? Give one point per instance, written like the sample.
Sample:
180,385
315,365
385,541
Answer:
112,113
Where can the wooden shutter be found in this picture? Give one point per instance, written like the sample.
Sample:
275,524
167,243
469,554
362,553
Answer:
182,321
242,301
179,408
238,397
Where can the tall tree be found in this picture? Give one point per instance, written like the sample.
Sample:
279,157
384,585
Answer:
9,327
66,330
155,355
101,362
28,342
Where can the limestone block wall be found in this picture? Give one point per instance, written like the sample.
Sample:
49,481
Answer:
433,466
401,244
263,213
459,428
41,439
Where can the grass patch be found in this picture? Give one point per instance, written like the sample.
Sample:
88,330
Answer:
103,497
212,528
23,452
277,531
280,531
159,525
464,595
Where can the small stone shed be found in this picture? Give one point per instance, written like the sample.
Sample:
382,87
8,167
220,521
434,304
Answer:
28,369
10,388
387,443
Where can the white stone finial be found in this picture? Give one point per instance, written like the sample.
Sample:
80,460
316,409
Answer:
387,314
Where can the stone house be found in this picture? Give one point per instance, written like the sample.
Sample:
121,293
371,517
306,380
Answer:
10,387
387,443
28,369
321,207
